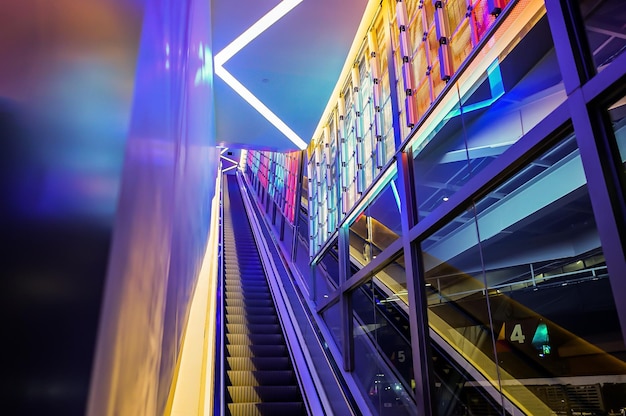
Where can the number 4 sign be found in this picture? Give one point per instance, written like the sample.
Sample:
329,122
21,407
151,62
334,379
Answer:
540,340
517,335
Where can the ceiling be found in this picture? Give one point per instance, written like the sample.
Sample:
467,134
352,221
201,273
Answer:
291,67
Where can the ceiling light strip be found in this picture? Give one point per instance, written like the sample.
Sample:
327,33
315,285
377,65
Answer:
259,106
255,30
229,159
239,43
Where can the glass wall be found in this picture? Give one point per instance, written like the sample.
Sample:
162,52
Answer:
495,92
519,301
277,174
327,274
617,114
518,285
604,24
512,95
377,226
383,358
322,189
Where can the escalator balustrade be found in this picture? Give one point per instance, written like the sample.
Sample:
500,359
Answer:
259,379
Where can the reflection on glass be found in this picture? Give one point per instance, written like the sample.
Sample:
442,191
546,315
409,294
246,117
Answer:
382,357
377,226
514,94
617,112
304,197
457,302
543,253
533,292
332,318
327,274
604,22
455,391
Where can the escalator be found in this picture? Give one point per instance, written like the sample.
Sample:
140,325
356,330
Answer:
455,390
459,389
259,378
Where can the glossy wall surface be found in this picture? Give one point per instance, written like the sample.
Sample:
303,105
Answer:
163,215
66,82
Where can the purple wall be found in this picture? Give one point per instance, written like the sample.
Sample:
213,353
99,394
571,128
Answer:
163,214
66,85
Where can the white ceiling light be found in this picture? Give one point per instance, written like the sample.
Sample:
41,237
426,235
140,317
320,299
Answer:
239,43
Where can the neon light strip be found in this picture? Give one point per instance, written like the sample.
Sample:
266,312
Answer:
230,160
243,157
496,86
239,43
395,194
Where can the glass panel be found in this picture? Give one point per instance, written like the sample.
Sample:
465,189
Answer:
536,287
360,245
304,197
392,280
437,83
483,16
327,273
384,218
382,348
436,176
461,45
457,303
604,22
509,98
617,112
377,226
332,318
455,12
551,299
455,391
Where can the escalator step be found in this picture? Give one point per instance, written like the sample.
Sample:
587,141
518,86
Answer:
248,295
258,363
244,239
251,302
246,394
261,378
244,273
256,282
252,319
242,286
252,328
249,310
252,276
254,339
256,351
241,252
236,283
262,409
245,286
244,258
251,260
244,267
246,290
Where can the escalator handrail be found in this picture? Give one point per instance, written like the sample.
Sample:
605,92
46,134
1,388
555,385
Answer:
222,321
